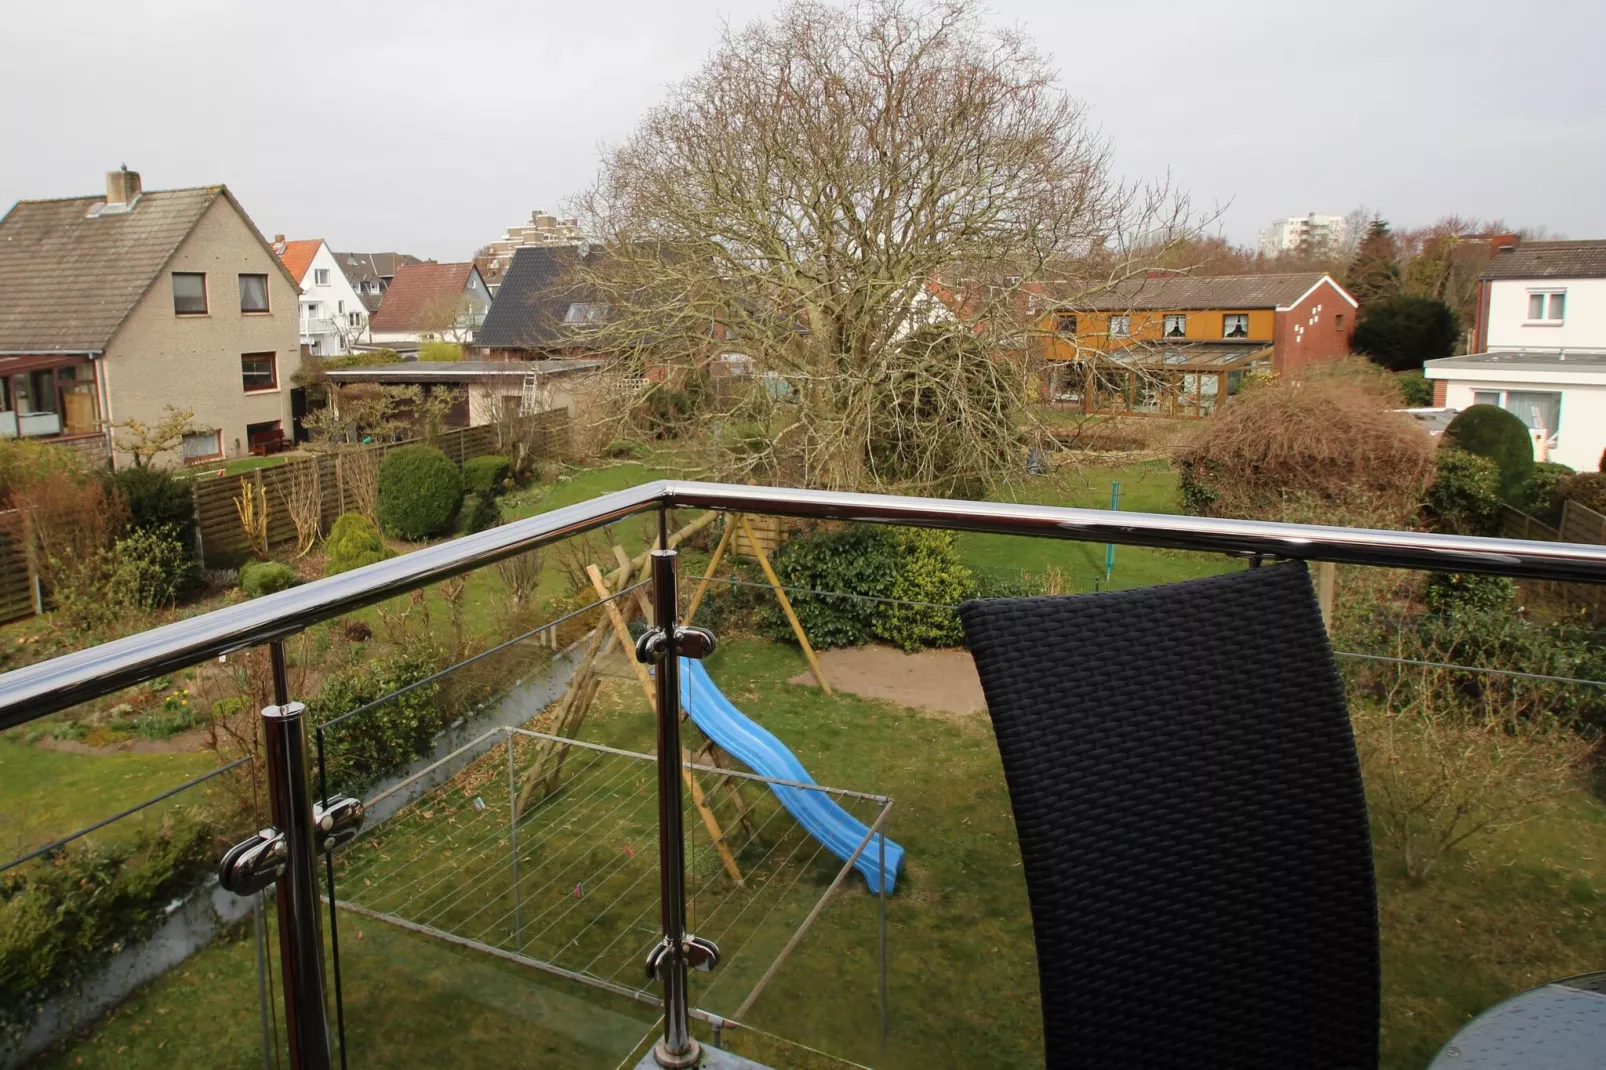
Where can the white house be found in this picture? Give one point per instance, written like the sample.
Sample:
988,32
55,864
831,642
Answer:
332,314
1539,347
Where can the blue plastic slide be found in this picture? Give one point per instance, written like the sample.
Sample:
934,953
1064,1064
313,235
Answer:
766,755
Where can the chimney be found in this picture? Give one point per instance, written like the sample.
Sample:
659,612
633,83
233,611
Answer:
1503,243
278,239
122,186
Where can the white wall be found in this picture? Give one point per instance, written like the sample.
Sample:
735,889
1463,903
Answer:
1582,434
335,299
1584,326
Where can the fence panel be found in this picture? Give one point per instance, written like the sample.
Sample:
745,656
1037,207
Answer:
1579,523
1516,524
223,541
16,579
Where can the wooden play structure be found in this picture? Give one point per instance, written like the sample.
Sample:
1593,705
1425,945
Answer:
545,772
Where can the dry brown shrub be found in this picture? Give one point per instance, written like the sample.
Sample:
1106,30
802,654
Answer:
1324,447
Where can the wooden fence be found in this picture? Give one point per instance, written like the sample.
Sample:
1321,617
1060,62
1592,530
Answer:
337,477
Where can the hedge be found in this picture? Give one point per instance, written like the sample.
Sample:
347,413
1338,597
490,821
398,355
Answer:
485,475
362,749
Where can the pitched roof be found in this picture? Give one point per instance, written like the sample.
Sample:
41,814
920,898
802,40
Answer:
534,299
68,278
1549,260
374,267
297,255
419,293
1202,292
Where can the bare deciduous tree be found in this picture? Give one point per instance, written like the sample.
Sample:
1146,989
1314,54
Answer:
145,442
847,204
303,502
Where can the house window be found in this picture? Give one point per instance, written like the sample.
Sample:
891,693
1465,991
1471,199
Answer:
340,308
1338,322
259,371
1065,323
310,310
189,293
354,319
1547,307
253,293
1486,397
1120,326
1539,409
1235,325
201,445
320,276
581,312
1176,326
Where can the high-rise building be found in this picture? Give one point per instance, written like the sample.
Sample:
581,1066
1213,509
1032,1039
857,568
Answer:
1312,233
542,229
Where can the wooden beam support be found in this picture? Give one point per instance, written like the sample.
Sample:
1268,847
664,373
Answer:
713,563
786,606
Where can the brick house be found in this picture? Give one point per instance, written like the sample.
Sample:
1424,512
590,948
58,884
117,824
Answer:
430,301
112,307
1174,344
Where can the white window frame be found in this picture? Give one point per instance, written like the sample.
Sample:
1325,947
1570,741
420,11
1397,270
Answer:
1548,298
320,276
1229,317
217,440
1121,326
1180,319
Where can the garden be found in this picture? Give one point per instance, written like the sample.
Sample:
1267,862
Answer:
1487,815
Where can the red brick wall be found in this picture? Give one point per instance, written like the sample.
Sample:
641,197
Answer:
1441,393
1316,329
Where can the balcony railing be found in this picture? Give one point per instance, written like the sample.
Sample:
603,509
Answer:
451,852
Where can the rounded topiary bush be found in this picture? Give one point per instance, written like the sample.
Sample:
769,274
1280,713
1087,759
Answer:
420,491
485,475
1492,432
352,543
258,578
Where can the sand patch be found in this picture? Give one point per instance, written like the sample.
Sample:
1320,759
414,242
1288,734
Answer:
942,680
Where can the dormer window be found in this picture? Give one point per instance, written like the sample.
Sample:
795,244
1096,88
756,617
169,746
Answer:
1235,325
582,312
1176,326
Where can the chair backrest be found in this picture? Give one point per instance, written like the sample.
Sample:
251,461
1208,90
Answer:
1191,822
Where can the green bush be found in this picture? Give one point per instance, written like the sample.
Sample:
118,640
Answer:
479,512
624,449
258,578
671,411
63,915
1463,592
1587,489
156,498
485,475
352,543
420,491
361,360
440,351
1465,496
24,462
1542,494
151,568
362,749
1492,432
1416,390
907,564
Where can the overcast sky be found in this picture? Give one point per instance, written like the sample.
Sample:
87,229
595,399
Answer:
430,127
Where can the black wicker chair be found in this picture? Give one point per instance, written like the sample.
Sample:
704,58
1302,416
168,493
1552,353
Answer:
1191,822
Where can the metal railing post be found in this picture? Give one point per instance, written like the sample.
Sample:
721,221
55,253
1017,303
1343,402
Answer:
300,936
677,1048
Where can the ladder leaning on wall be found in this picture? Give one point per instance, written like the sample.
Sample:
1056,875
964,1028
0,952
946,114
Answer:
530,394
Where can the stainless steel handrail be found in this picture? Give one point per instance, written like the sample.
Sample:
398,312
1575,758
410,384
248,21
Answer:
32,692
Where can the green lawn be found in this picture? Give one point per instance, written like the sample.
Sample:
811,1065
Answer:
48,793
1149,487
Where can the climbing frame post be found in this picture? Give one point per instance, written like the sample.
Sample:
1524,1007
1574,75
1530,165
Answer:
713,563
786,606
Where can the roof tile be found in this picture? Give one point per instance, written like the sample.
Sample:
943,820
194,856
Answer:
418,295
1549,260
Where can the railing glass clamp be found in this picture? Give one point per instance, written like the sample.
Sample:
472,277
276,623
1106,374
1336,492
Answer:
700,955
690,642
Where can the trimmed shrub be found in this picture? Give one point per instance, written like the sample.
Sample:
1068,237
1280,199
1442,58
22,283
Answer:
1465,496
1415,389
1464,592
440,352
907,564
1587,489
1542,494
1492,432
420,491
479,512
485,475
362,749
156,498
352,543
151,568
258,578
